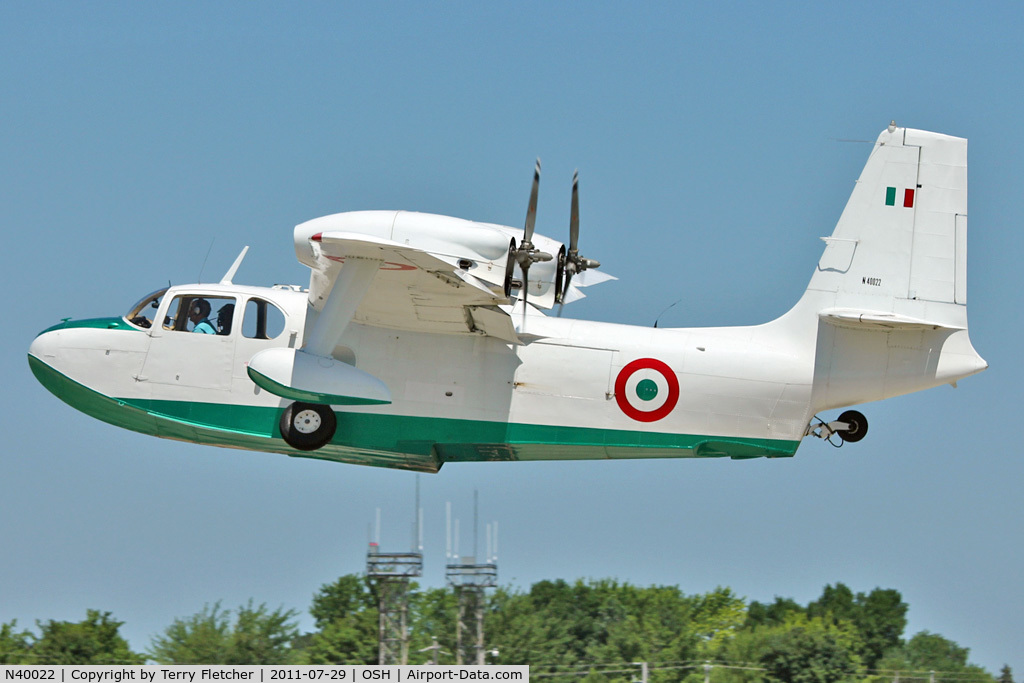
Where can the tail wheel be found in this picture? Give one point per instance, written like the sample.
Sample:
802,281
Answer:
858,428
307,426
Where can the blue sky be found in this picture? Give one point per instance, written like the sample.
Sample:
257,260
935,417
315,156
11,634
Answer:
712,143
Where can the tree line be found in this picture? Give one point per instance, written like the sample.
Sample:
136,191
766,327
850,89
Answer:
592,631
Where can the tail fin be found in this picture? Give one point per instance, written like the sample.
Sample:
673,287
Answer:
900,246
888,298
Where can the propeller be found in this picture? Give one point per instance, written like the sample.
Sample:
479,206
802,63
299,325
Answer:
571,262
526,254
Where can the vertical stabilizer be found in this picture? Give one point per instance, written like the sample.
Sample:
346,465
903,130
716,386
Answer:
888,299
900,245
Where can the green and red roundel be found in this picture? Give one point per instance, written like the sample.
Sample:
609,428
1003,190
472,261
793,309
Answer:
646,390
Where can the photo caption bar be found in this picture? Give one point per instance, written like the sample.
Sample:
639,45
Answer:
342,673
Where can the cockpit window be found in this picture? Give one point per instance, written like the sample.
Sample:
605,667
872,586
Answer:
201,314
143,312
263,320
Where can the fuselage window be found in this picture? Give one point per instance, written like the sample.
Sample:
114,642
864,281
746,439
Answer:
201,314
262,320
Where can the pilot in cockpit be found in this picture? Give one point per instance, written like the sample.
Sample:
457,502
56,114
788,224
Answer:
224,316
199,315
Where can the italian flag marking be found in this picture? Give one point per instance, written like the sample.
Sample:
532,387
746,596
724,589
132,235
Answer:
908,197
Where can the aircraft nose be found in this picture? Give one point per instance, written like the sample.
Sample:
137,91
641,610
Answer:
45,346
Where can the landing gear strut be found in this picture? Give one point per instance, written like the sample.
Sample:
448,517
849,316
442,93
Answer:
851,426
307,426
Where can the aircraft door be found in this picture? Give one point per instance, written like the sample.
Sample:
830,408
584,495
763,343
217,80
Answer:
261,325
190,350
568,381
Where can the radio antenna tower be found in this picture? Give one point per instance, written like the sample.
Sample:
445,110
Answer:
389,575
469,579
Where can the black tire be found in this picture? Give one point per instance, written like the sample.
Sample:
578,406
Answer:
307,426
858,428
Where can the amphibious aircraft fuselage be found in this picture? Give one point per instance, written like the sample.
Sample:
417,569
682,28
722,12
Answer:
422,340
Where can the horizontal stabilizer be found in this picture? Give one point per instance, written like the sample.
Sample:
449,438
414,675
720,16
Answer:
295,374
879,320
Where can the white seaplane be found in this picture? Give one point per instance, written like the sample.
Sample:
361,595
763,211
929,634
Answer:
422,340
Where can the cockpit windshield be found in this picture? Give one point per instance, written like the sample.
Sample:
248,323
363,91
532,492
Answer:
140,314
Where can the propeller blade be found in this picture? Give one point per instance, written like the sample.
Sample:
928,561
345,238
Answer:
525,254
572,256
574,214
531,210
574,263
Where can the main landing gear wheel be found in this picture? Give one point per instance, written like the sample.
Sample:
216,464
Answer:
858,426
307,426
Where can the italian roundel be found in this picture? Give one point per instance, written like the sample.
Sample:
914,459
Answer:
646,389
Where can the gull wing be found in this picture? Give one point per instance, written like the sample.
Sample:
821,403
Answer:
433,273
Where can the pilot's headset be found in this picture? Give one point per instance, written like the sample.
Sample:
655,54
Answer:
200,307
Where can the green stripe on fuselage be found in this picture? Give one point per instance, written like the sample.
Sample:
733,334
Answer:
376,439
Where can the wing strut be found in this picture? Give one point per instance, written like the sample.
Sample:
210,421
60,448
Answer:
354,280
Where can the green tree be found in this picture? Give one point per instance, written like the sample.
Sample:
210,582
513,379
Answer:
258,636
797,649
1006,675
521,626
880,616
347,623
836,603
433,616
932,652
587,630
347,641
652,624
15,645
811,650
717,616
95,640
559,627
262,636
748,646
350,594
574,605
773,614
202,638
